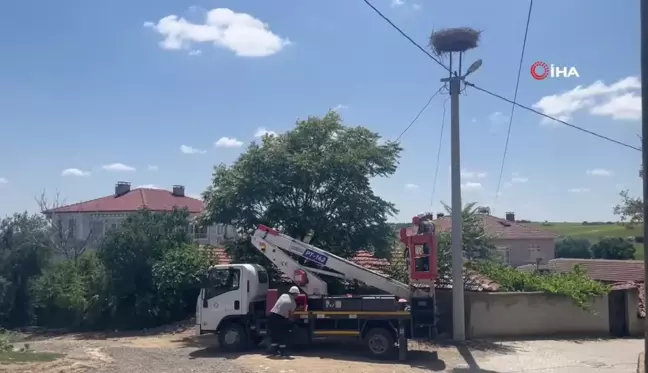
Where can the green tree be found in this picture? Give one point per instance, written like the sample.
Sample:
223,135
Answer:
613,248
312,180
477,245
150,264
630,209
24,252
570,247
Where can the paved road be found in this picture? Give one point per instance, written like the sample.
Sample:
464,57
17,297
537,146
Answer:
606,356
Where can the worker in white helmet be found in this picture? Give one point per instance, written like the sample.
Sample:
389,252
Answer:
280,320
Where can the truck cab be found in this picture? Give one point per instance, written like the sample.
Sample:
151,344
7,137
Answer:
233,296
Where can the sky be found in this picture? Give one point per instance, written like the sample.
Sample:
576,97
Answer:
158,92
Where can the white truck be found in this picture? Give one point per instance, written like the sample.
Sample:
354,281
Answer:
236,299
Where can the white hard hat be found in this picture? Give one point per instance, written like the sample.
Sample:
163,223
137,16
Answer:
293,290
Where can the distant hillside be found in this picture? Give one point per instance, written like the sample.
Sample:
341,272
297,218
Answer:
398,226
593,232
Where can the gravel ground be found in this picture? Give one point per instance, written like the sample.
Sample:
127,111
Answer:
182,352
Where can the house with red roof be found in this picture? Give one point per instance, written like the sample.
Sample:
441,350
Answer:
516,244
90,220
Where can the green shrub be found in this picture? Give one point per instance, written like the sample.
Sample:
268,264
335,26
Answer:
575,284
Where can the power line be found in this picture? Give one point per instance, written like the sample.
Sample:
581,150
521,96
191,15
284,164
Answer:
517,85
436,170
496,95
555,119
419,113
406,36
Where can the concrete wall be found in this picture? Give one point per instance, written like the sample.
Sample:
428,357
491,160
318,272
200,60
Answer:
508,315
520,252
635,324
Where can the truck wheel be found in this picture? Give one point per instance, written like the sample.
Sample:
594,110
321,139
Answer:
232,337
380,343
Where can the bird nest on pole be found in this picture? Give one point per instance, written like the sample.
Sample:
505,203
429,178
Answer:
459,39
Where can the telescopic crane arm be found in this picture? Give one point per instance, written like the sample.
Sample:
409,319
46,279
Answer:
276,245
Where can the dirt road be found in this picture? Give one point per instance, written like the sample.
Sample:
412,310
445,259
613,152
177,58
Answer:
182,352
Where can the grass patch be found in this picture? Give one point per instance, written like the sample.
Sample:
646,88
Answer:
17,357
594,232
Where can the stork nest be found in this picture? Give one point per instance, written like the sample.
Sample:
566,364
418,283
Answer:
459,39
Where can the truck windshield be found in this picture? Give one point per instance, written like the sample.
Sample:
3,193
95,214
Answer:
221,281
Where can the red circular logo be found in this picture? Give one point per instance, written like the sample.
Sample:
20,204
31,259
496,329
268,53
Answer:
539,70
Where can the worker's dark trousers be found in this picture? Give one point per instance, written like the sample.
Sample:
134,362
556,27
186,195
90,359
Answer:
279,328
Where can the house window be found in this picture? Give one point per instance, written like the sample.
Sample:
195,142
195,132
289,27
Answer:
220,229
96,230
534,253
71,227
199,232
503,254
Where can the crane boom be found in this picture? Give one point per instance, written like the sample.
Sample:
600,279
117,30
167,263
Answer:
266,238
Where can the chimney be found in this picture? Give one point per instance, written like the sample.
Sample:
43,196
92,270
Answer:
178,191
510,216
440,215
121,188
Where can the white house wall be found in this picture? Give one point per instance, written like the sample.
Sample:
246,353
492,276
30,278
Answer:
216,234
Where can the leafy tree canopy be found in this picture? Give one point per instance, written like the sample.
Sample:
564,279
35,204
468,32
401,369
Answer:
630,210
313,179
570,247
613,248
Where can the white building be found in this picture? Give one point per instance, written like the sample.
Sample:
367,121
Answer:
91,219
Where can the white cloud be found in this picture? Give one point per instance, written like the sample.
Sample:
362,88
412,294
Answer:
186,149
411,186
3,180
416,6
578,190
474,120
518,179
74,172
565,104
599,172
228,142
508,185
395,3
117,167
471,186
340,107
241,33
498,118
195,196
262,132
152,167
465,174
195,52
623,107
149,186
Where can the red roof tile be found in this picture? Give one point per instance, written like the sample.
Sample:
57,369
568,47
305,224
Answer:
153,199
500,228
367,260
603,269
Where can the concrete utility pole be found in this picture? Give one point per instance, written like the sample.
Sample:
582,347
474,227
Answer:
456,41
644,153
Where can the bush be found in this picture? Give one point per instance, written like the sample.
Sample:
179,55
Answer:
152,269
69,293
613,248
570,247
575,284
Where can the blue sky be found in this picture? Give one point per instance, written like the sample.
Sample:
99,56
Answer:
87,84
